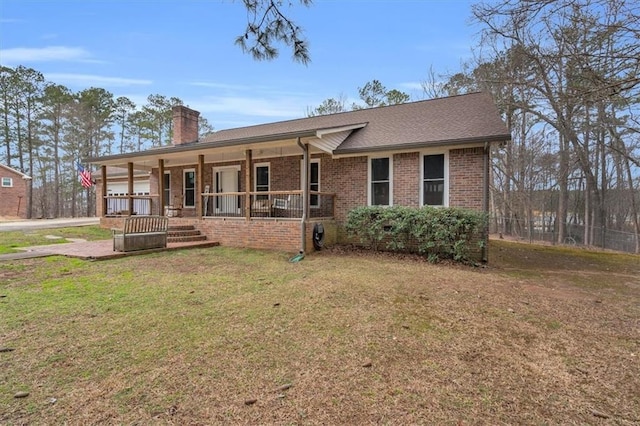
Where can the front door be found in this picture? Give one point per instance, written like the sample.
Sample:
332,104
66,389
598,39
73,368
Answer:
226,180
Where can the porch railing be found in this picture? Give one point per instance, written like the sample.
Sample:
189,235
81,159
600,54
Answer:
268,204
118,205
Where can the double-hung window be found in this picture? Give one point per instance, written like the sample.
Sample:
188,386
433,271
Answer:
189,188
314,181
166,188
434,188
262,180
7,182
380,181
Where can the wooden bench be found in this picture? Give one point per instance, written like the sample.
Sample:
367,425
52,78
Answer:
141,233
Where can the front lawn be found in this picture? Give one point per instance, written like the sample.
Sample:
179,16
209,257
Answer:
219,336
11,240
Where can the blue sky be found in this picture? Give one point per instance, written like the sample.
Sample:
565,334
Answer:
185,48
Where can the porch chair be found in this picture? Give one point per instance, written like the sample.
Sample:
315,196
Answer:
291,206
261,207
175,209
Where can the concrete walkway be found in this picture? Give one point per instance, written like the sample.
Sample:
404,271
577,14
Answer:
95,250
89,250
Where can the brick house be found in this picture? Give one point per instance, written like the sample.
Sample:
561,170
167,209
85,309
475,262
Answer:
13,192
267,186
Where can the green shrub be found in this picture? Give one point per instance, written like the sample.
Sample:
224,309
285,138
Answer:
437,233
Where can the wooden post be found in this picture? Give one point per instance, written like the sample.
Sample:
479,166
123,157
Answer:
306,165
247,184
161,199
130,187
103,170
305,195
199,186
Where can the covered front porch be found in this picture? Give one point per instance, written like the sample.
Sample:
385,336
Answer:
266,196
267,204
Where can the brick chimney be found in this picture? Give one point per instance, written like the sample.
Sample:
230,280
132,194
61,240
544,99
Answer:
185,125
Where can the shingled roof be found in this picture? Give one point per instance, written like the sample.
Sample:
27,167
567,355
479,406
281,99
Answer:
457,119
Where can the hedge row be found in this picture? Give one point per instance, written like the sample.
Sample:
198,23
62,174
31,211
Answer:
437,233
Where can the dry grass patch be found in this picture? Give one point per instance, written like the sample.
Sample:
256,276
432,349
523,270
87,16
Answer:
192,337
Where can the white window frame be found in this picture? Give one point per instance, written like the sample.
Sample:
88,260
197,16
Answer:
370,182
255,175
312,161
445,195
184,188
7,182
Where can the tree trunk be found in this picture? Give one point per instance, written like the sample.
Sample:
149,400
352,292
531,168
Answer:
563,184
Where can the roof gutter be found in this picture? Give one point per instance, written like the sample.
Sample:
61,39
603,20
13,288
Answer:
305,195
420,145
485,201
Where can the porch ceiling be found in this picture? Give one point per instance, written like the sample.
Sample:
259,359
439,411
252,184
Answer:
148,160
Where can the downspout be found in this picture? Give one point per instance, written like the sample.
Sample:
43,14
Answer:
485,202
305,195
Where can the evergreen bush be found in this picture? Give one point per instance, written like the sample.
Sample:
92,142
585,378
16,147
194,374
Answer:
434,232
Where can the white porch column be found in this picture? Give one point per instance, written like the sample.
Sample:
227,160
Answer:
247,184
161,199
130,187
103,170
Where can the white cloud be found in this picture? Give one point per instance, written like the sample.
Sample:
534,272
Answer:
21,55
219,85
411,85
251,106
86,80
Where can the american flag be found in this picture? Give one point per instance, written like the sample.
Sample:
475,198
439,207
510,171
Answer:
85,176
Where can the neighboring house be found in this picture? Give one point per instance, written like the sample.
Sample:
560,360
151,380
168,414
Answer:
13,192
267,186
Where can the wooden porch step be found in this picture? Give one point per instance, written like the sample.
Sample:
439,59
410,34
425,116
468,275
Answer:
182,232
186,238
180,227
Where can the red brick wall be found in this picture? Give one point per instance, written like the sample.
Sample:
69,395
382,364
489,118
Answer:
347,178
112,222
285,172
466,169
13,200
153,182
330,233
271,234
99,194
185,125
406,179
255,233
